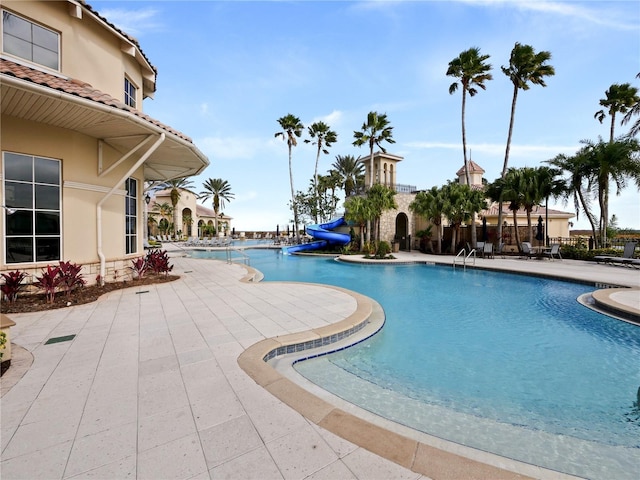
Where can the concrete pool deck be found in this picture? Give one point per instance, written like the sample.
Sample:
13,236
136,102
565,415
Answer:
151,387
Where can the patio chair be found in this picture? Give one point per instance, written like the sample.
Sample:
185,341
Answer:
627,255
554,252
527,251
487,250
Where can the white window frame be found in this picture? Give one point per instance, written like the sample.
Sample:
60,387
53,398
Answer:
10,209
130,93
55,67
131,216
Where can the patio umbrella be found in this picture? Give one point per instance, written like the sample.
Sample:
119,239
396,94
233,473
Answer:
277,230
539,233
484,229
233,231
287,229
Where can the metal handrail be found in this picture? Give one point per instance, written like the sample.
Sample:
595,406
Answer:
463,255
245,258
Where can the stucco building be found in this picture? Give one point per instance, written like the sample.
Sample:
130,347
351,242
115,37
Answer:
76,145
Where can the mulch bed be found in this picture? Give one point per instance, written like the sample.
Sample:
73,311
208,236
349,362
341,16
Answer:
26,303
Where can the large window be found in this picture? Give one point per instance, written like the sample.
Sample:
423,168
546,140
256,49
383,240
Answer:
131,215
30,41
129,93
31,188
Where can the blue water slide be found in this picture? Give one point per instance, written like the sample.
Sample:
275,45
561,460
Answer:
323,235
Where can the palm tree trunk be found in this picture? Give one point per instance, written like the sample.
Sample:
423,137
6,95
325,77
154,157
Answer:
293,199
529,226
315,176
613,123
515,227
506,153
589,215
439,240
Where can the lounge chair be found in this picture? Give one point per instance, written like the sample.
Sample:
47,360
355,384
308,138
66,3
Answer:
553,252
627,255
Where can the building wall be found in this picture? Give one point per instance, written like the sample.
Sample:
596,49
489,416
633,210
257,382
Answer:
88,51
82,189
388,218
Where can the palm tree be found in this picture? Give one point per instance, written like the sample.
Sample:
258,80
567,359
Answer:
176,184
430,205
635,110
291,128
472,71
550,184
219,191
619,99
374,131
461,205
351,172
325,137
381,198
616,161
530,193
165,210
525,66
358,210
509,188
579,173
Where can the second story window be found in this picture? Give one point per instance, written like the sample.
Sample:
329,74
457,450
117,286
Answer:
30,41
130,91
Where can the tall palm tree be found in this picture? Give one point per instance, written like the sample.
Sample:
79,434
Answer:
551,185
373,132
323,137
472,71
291,128
165,210
430,205
525,66
176,184
618,99
530,193
509,190
219,191
351,171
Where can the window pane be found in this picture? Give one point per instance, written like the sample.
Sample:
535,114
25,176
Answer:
19,250
18,167
47,197
18,195
131,206
17,47
45,57
45,38
47,249
131,244
20,223
16,26
47,223
47,171
131,225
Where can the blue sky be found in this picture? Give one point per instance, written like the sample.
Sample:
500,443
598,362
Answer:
229,69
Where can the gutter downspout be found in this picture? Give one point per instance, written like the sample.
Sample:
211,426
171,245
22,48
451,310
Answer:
137,165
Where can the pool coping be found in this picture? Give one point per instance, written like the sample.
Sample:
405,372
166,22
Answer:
447,461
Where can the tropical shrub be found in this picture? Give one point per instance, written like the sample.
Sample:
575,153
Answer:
49,282
12,285
70,277
383,249
158,262
139,267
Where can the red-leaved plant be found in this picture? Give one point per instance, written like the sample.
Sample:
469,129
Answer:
49,282
12,285
70,277
139,267
158,262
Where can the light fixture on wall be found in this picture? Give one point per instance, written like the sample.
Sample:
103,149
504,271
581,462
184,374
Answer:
147,199
10,211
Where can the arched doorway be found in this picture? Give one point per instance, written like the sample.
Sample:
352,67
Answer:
402,231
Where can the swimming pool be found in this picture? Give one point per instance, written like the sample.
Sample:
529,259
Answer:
505,363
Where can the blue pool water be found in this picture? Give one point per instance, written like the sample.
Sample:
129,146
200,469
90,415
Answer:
506,363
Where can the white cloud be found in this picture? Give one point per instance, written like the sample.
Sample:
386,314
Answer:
498,149
133,22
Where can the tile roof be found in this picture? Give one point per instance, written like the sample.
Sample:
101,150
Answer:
537,210
78,88
473,168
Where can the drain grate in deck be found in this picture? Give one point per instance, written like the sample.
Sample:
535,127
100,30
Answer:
66,338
